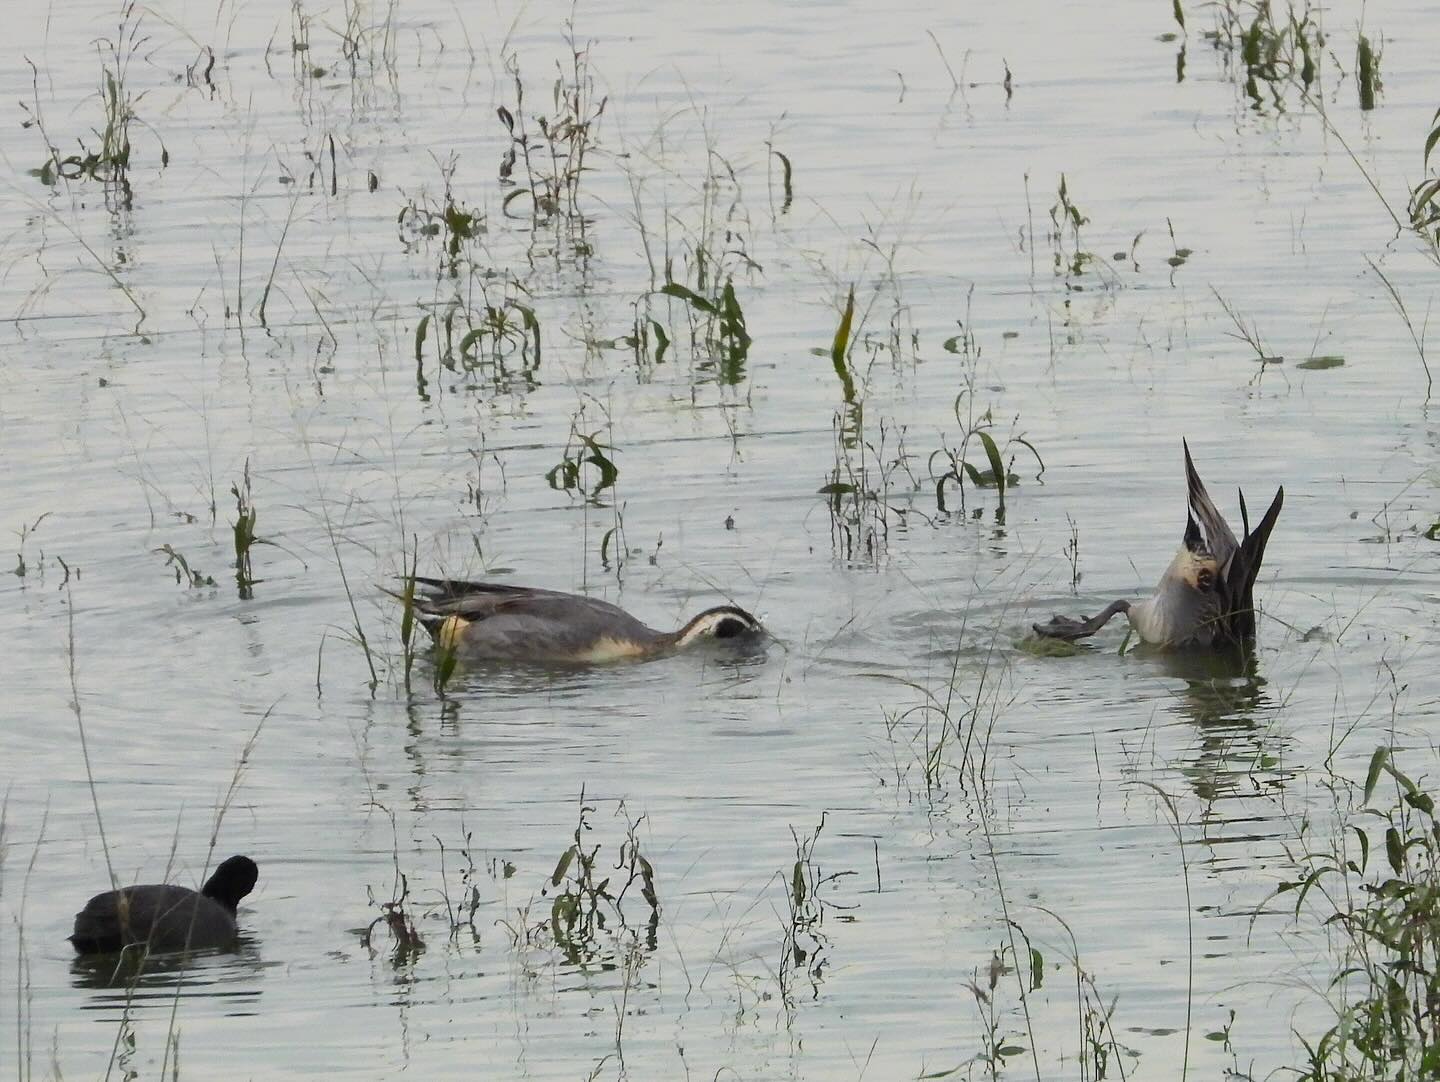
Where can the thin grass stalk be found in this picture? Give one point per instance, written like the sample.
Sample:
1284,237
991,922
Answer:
275,263
1189,920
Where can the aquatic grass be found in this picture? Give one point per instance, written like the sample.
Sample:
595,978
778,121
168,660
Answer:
1098,1045
460,913
787,178
1367,72
587,468
1066,219
458,227
858,490
720,322
1247,333
998,474
1177,829
1072,554
110,270
570,474
500,336
648,338
25,532
951,728
840,349
243,531
409,647
804,944
108,159
997,1045
587,923
275,267
1265,53
357,629
699,274
1378,885
1416,337
988,833
554,161
395,916
192,577
1424,204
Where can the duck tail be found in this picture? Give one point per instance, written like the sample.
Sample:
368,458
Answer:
1245,568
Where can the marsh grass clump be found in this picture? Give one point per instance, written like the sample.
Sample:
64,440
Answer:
1424,207
717,322
1367,72
585,467
587,922
460,911
458,227
1269,54
648,339
860,488
396,914
1070,256
1378,886
998,1043
703,267
499,336
243,532
396,917
958,464
803,950
108,157
192,577
25,532
546,158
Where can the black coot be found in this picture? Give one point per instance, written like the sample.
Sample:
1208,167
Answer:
164,917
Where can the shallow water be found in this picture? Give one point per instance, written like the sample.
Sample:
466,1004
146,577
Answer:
122,433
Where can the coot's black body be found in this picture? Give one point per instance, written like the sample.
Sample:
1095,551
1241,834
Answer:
164,917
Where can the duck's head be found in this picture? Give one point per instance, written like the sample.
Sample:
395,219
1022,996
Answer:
725,623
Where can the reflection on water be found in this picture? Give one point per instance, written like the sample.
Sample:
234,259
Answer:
132,979
1240,749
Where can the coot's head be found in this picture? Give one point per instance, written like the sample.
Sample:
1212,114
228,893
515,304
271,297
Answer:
230,882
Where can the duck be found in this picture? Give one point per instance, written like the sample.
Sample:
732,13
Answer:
501,622
164,916
1205,598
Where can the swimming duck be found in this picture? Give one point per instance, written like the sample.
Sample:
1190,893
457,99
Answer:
165,917
1205,596
486,620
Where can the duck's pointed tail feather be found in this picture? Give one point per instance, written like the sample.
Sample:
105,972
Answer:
1206,524
1240,582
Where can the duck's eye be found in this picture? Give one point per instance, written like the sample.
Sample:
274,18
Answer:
1205,579
728,628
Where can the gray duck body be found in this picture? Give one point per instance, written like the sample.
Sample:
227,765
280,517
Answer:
485,620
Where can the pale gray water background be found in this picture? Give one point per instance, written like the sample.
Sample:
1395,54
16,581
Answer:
123,437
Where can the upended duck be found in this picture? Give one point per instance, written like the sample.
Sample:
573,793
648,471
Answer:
1205,598
166,917
491,621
